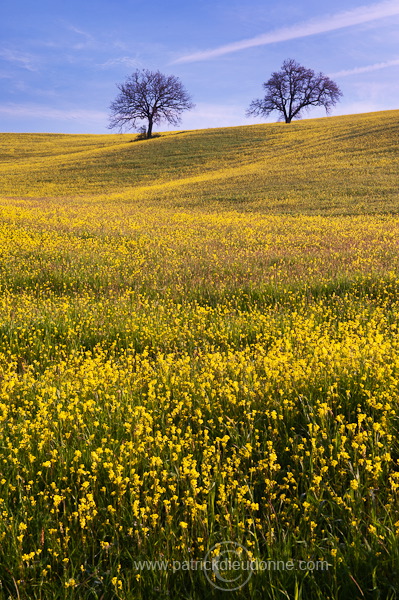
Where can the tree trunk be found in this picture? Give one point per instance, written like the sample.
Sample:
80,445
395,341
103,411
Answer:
149,130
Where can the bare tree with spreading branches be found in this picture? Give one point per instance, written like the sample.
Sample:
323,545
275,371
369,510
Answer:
149,97
293,89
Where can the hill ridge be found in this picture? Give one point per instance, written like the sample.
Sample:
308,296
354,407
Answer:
343,164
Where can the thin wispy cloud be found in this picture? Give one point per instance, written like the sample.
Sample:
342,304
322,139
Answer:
80,32
88,39
367,68
23,59
357,16
20,110
127,61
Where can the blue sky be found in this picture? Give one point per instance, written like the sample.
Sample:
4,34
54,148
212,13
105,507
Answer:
60,61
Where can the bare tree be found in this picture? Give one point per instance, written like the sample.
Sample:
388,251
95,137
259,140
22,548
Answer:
149,97
293,89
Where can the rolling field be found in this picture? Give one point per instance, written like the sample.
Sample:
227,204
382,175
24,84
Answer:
200,347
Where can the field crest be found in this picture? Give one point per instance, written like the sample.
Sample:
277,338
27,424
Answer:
333,165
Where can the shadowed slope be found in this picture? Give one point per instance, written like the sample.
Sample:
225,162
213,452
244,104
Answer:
335,165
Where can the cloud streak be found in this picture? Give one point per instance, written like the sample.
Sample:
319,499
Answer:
367,68
356,16
128,61
46,112
23,59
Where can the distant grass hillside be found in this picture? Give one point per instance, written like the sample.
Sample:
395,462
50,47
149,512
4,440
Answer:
339,165
199,359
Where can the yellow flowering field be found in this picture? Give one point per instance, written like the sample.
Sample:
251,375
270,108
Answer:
200,346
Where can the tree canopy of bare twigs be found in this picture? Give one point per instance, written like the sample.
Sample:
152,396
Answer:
293,89
149,97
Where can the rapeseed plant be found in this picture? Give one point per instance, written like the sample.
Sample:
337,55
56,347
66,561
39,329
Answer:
179,374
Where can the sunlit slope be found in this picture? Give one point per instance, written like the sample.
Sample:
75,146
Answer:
335,165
